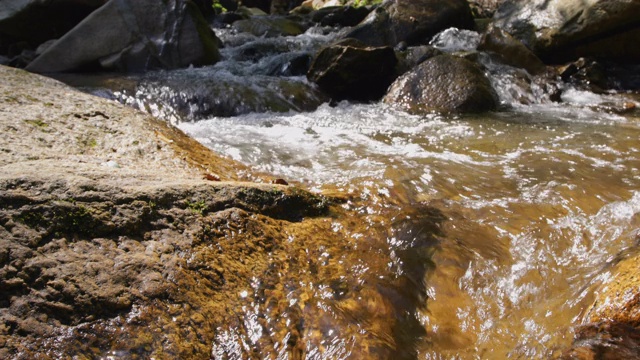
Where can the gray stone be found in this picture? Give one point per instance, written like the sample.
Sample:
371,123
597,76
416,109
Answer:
133,36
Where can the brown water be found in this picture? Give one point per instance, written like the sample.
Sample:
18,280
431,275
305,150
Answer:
535,203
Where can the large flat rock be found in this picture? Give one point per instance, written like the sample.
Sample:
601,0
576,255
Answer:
112,245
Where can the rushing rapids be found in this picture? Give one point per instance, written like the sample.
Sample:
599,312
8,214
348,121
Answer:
536,202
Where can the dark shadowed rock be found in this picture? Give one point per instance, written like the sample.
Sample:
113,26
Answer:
36,21
269,26
348,69
133,36
339,15
443,83
564,30
264,5
413,56
411,21
510,50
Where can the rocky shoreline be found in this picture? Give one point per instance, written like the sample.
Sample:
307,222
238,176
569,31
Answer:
99,202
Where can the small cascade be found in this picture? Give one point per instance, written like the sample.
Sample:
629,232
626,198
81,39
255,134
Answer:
255,75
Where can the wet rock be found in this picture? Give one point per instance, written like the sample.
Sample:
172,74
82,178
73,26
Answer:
564,30
142,35
348,69
291,64
611,328
194,95
35,21
443,83
414,22
339,15
585,74
283,6
226,18
598,76
605,340
413,56
248,12
269,26
510,50
483,9
618,299
264,5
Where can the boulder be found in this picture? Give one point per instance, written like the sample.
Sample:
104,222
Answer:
443,83
563,30
133,36
510,50
413,56
411,21
350,70
339,15
36,21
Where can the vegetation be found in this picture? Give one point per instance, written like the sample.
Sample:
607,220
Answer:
217,7
197,207
358,3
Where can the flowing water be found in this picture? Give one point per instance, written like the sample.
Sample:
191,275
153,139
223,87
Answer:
538,201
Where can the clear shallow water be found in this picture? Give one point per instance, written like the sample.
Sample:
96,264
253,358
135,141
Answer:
538,200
